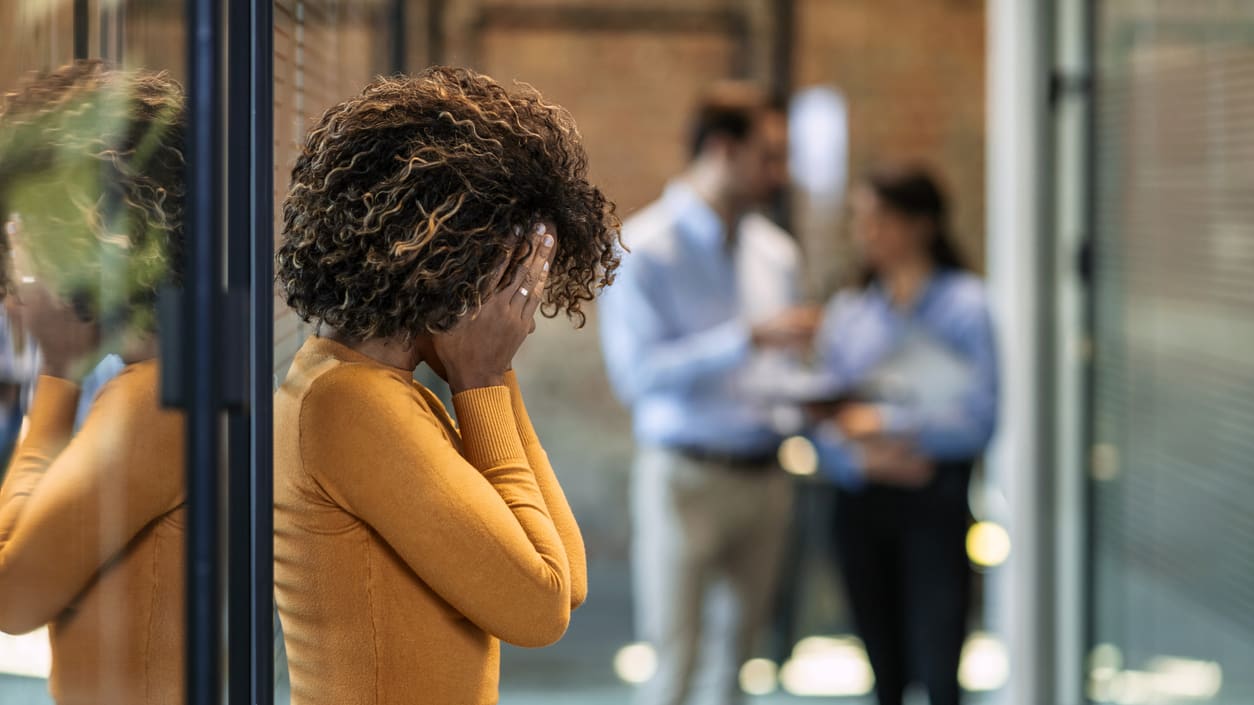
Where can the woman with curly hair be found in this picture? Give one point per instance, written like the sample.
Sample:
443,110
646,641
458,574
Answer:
429,218
92,509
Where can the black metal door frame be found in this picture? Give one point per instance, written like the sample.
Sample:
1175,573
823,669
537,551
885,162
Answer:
250,218
197,370
223,366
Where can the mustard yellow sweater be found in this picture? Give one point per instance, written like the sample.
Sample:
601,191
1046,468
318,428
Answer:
91,541
406,547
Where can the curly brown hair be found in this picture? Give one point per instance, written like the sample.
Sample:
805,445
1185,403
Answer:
406,199
91,157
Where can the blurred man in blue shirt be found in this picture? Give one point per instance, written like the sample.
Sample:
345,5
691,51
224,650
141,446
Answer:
704,308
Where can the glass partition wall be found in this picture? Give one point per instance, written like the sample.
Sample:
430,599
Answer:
134,520
1172,603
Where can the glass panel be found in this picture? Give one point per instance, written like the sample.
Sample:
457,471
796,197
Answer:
1173,544
325,51
92,509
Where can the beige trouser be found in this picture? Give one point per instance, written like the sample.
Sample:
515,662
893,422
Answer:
707,541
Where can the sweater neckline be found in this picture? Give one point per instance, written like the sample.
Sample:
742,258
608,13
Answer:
327,347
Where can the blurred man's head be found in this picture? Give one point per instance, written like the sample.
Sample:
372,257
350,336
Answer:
740,141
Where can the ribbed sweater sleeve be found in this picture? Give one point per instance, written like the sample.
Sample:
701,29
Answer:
554,497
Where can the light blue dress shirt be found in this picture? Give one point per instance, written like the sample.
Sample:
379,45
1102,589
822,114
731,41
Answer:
863,335
110,366
19,365
676,324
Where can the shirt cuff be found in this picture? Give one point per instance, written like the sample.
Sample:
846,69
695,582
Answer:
897,420
733,340
839,459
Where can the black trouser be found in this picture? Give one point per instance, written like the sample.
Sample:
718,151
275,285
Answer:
904,561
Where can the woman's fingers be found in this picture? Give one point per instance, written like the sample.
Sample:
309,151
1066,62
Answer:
534,296
498,275
534,271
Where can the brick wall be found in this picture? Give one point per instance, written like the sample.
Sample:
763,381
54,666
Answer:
912,73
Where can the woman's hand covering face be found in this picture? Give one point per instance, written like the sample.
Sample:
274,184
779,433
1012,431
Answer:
481,347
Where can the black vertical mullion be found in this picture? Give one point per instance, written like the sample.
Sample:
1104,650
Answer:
262,349
239,595
201,345
250,249
80,29
435,32
398,58
783,44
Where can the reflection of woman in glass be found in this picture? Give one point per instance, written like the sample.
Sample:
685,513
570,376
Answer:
428,219
913,353
91,522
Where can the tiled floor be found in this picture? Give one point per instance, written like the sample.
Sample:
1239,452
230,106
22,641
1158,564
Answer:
576,671
18,690
620,695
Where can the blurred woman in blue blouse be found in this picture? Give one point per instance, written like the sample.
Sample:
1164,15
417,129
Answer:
912,355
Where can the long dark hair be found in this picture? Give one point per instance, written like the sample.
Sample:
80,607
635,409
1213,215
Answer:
912,191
